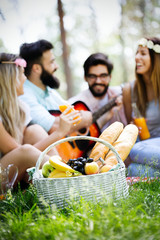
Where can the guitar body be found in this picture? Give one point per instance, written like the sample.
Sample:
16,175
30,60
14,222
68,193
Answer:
94,130
77,148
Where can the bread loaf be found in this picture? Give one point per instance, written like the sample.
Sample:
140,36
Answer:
123,144
110,134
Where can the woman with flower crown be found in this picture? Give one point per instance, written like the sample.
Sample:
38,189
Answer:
21,144
144,92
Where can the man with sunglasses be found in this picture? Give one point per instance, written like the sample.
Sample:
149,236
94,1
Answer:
39,88
97,73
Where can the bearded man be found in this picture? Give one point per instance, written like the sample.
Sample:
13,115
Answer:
39,88
97,73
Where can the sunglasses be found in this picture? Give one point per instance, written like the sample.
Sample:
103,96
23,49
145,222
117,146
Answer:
19,62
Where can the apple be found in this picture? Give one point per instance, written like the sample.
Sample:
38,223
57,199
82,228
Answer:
47,169
91,168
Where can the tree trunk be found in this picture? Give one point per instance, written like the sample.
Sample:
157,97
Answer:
65,51
142,6
122,42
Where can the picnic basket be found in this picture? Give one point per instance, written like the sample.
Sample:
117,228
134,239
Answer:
96,187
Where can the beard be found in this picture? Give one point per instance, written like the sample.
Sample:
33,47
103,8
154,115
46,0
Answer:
49,80
98,94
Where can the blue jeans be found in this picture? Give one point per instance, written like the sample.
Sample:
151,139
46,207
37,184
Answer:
140,170
145,156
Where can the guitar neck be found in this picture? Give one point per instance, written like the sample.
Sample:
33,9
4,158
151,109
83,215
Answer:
104,109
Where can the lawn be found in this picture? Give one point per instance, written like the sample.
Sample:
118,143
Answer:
137,217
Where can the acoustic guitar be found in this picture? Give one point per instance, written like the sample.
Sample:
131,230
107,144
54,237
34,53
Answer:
78,148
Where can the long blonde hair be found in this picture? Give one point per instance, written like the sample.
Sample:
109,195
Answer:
11,112
140,88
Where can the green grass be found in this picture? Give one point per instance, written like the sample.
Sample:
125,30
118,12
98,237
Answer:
136,217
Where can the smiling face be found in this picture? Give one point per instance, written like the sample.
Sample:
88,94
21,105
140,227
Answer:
48,61
98,80
49,66
143,61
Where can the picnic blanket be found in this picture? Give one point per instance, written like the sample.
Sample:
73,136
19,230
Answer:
132,180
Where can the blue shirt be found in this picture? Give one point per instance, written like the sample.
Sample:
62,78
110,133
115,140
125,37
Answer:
40,101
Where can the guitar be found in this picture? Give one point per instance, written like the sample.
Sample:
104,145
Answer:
78,148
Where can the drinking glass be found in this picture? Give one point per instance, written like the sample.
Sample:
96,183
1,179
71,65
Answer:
5,183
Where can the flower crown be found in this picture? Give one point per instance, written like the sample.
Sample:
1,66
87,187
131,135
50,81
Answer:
149,44
19,62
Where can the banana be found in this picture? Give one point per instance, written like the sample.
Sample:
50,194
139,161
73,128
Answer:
59,165
59,174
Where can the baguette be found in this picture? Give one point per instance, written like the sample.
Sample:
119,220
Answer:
110,134
123,144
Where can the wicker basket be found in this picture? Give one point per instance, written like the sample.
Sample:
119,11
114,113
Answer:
94,187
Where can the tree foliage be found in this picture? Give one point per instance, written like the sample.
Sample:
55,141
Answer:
138,18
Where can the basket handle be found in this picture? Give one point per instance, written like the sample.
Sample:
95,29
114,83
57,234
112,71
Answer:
77,138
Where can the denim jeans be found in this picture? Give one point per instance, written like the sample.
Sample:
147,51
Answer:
141,170
145,156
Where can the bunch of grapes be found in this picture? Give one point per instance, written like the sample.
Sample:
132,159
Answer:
79,163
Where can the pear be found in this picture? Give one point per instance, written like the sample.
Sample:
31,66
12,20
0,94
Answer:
47,168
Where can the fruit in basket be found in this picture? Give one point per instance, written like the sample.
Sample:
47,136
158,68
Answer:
79,163
105,168
91,168
47,169
60,174
59,165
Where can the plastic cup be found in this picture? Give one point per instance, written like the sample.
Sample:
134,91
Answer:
62,108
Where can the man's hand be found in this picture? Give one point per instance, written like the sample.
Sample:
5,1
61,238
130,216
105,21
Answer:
68,121
119,103
86,120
